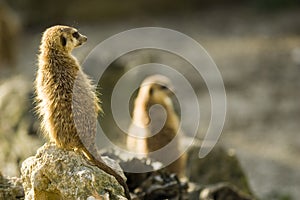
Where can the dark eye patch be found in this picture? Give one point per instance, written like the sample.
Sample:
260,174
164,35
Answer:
63,41
151,91
75,35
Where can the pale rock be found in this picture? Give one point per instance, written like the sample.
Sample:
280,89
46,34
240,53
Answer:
55,173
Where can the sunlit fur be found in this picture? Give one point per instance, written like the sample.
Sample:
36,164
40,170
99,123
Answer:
59,75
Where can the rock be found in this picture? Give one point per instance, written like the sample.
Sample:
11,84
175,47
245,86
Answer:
154,183
55,173
134,180
223,191
11,188
218,166
162,185
211,178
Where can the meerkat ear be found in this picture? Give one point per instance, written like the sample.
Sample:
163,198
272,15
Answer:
63,40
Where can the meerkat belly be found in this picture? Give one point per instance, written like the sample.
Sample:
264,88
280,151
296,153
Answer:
161,139
161,127
58,119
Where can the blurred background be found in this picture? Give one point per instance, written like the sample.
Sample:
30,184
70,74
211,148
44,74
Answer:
255,44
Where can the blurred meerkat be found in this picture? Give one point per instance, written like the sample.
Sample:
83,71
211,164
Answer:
66,98
9,30
147,133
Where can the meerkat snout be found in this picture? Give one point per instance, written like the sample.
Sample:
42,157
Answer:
81,38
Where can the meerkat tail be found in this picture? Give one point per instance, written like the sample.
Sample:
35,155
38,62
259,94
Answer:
102,165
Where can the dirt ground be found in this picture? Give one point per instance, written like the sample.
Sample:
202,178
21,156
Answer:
258,55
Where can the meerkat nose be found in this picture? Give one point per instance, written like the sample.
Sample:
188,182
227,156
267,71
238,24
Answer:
84,38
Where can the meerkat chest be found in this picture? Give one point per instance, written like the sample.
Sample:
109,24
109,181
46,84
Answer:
162,120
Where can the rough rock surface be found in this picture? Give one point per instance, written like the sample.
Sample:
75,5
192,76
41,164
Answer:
11,188
59,174
223,191
218,166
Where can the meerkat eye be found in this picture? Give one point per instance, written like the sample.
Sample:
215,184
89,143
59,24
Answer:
75,35
162,87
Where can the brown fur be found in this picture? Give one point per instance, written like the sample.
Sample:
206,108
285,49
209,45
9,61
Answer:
66,99
156,90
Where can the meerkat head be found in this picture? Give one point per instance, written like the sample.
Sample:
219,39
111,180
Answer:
63,38
158,89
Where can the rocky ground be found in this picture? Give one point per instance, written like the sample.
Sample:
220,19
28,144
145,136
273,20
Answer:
258,56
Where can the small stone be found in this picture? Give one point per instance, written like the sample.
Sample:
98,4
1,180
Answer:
11,188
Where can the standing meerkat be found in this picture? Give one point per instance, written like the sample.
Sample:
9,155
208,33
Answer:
66,99
147,133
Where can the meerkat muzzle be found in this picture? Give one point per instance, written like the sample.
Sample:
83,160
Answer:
82,39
